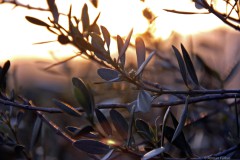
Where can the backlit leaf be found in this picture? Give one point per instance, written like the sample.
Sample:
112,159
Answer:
92,146
54,10
144,64
106,36
103,122
107,74
164,124
84,97
120,46
119,123
189,66
181,121
107,156
98,43
36,132
153,153
67,108
181,65
144,101
125,45
140,50
144,130
85,18
36,21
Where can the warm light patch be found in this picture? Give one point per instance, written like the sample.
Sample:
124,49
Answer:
118,16
110,142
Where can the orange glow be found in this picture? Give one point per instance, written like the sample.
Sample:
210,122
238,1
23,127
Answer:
119,16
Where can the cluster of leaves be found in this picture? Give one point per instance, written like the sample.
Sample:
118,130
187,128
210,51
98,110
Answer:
105,136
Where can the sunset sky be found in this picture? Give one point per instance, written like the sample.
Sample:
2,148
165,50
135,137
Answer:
119,16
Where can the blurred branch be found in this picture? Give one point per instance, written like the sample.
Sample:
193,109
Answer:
116,106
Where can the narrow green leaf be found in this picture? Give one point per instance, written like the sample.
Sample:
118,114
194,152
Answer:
145,130
36,132
84,97
125,45
189,65
144,64
92,146
36,21
144,101
181,121
153,153
140,50
108,155
181,65
54,10
67,108
120,46
106,36
119,123
164,124
85,18
108,74
103,122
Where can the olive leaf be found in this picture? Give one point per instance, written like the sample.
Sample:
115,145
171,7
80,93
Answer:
119,123
36,132
125,45
144,101
181,65
144,64
79,132
98,43
103,122
106,36
164,124
180,141
67,108
140,50
108,155
92,146
181,121
54,10
153,153
189,65
145,130
36,21
85,18
108,74
120,46
84,97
